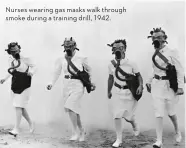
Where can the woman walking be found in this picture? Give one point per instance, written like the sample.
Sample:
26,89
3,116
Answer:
21,70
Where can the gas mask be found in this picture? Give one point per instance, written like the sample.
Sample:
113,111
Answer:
119,52
69,46
118,48
16,56
158,37
14,50
69,50
156,44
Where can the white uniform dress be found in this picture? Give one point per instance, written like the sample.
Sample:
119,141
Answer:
122,103
21,100
162,95
73,89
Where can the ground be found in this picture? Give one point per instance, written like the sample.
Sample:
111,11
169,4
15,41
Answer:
54,136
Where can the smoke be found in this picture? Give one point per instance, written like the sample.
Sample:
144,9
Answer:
43,43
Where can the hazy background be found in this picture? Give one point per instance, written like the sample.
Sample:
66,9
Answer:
42,42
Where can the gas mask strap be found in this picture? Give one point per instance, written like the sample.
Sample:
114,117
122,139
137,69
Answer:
157,53
14,67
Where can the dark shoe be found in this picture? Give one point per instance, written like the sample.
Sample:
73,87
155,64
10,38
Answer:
14,132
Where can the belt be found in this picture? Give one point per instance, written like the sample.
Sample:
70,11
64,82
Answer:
70,77
160,78
120,87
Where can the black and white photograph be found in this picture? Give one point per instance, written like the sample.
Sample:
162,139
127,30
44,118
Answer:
92,74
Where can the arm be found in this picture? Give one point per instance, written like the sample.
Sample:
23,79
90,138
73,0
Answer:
8,75
175,59
110,81
32,66
149,81
140,79
5,79
150,76
87,68
179,69
57,71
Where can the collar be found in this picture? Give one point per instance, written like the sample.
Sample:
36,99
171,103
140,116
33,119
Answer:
163,49
72,57
123,61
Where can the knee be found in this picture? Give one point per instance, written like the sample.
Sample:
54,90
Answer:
19,109
171,113
172,116
71,112
159,114
68,110
128,120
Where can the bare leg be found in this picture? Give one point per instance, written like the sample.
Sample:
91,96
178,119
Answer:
82,131
79,124
26,116
73,119
18,117
159,131
134,126
18,112
159,128
132,122
118,128
175,123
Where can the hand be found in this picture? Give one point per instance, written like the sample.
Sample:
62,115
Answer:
148,87
139,90
109,95
180,91
29,74
2,81
93,87
49,87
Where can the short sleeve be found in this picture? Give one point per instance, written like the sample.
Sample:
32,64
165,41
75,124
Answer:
10,60
57,70
134,67
86,65
31,63
110,69
179,68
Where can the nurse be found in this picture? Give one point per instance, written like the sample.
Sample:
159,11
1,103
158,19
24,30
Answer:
71,65
21,70
166,83
123,104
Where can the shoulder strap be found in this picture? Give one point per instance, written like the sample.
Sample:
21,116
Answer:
27,69
114,63
12,63
118,68
161,56
73,67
